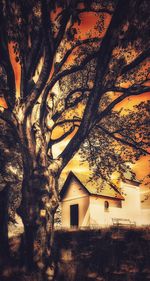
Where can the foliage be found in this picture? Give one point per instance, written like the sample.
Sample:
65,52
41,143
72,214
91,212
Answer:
92,74
10,168
73,81
119,141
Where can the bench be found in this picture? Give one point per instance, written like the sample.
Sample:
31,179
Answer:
123,222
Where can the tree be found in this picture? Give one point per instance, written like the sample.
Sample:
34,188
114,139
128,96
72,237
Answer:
71,83
10,181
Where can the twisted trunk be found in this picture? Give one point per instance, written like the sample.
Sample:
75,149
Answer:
38,209
39,204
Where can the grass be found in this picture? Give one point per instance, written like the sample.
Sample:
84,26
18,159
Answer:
114,254
90,255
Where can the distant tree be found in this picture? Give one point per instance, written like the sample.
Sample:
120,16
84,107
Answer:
70,85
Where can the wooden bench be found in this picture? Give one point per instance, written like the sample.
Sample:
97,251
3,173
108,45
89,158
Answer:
123,222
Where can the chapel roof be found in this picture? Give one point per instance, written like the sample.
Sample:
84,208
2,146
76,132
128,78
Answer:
92,187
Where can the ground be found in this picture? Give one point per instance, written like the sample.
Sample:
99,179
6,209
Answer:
90,255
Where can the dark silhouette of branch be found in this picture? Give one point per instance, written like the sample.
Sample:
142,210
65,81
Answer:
60,75
68,71
66,121
144,55
123,141
10,92
100,10
34,56
43,77
61,138
6,115
132,91
79,11
78,99
68,53
58,114
104,56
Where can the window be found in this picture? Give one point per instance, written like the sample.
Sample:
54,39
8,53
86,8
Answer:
106,206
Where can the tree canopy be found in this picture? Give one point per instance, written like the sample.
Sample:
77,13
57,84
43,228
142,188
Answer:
71,79
66,68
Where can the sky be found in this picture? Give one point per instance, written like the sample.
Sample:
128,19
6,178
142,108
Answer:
87,25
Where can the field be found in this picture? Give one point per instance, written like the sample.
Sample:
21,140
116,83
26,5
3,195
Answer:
90,255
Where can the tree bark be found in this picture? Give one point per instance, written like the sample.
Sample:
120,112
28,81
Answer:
4,246
37,212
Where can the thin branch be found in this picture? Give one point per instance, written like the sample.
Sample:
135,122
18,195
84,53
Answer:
63,23
78,99
123,141
5,61
79,11
135,62
60,75
66,121
34,56
132,140
61,138
41,81
68,53
100,10
69,71
104,56
132,91
64,19
58,114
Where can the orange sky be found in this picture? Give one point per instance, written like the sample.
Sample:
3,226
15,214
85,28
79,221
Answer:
88,22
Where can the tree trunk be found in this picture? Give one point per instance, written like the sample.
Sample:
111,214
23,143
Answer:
39,201
4,246
38,208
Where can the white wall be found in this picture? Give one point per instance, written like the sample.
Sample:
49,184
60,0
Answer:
75,195
98,215
131,206
145,216
92,211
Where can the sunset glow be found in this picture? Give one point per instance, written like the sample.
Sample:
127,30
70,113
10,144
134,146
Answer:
16,67
88,25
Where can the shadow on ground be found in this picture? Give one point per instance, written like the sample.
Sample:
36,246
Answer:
89,255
